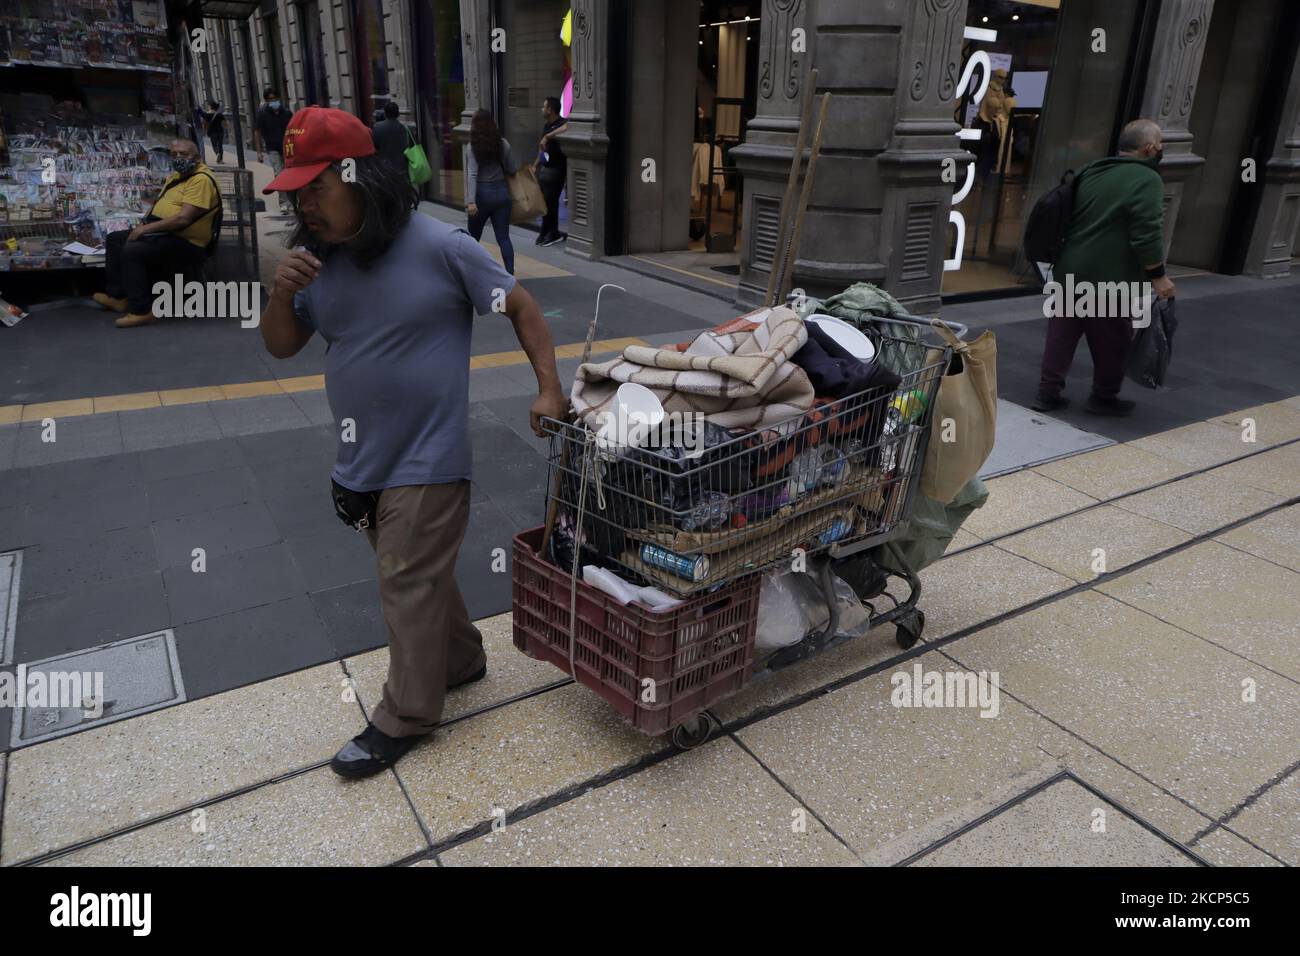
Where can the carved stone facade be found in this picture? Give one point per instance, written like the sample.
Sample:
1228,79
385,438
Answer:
1170,90
587,142
879,211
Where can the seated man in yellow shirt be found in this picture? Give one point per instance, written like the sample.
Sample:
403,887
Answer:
172,239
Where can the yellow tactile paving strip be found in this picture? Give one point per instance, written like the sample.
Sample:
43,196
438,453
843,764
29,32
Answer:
103,404
26,837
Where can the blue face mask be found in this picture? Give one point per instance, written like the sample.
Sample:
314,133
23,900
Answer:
184,165
274,104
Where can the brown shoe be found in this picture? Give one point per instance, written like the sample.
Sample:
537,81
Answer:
136,318
108,302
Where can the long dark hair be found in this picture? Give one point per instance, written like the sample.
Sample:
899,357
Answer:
387,198
485,138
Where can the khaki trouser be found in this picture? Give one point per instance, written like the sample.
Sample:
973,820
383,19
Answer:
431,640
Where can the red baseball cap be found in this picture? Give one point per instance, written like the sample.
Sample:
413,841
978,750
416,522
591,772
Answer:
315,137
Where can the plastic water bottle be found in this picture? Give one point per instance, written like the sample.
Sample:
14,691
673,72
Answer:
889,439
711,513
817,468
838,530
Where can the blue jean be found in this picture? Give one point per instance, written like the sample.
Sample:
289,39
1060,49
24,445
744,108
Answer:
493,201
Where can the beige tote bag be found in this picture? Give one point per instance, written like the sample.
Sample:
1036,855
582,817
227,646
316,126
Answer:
526,196
965,412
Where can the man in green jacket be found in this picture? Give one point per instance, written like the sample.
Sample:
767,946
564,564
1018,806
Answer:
1116,235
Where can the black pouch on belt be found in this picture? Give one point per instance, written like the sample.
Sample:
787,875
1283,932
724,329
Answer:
357,509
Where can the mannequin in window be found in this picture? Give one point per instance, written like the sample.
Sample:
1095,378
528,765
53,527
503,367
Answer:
995,113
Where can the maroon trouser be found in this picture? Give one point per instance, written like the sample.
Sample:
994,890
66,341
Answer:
1108,341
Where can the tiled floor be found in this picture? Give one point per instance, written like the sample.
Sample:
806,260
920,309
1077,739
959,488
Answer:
237,777
1059,822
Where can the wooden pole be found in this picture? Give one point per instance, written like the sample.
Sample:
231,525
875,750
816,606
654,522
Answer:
792,255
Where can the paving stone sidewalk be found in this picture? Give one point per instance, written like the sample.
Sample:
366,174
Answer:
1160,695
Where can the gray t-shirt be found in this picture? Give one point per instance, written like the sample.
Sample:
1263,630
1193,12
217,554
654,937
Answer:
397,362
491,173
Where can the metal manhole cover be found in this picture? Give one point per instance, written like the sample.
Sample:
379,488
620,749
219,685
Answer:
11,566
84,689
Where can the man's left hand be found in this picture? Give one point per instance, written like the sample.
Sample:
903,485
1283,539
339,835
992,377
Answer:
550,404
135,233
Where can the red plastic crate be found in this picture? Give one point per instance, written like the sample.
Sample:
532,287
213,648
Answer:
696,653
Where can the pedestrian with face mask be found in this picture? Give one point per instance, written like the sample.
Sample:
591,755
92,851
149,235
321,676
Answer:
269,124
394,294
172,239
1116,235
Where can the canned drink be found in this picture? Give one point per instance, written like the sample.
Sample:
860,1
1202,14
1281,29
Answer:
694,569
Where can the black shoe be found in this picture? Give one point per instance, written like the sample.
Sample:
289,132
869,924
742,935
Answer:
371,751
540,237
472,678
552,239
1115,407
1048,403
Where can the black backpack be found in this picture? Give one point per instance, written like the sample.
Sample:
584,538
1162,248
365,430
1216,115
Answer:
1048,226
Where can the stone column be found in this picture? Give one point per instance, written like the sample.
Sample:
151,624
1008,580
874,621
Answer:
764,158
662,53
1274,236
914,229
586,144
1170,90
879,208
476,55
401,65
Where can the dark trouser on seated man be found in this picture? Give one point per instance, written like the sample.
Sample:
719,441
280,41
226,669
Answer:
131,268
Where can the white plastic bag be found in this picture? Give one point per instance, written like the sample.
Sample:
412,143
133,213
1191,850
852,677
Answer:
791,604
782,610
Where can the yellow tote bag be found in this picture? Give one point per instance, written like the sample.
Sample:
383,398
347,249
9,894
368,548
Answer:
965,412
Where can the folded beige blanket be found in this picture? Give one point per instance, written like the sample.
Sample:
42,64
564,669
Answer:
742,379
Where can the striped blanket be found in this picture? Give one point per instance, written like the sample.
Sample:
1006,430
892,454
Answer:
741,379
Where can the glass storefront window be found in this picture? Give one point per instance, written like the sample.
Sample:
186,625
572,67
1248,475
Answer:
1052,104
371,57
312,39
532,69
275,59
440,70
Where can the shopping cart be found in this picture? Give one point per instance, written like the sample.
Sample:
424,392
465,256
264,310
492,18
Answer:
698,513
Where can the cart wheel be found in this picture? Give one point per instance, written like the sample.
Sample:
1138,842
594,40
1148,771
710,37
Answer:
693,732
909,628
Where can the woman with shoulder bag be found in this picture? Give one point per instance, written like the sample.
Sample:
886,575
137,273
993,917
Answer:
488,192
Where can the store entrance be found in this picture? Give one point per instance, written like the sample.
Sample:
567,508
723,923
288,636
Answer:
1052,104
702,76
725,102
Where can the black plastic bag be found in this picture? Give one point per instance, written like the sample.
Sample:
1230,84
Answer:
1153,346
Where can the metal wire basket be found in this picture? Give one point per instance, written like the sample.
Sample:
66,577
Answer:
696,506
